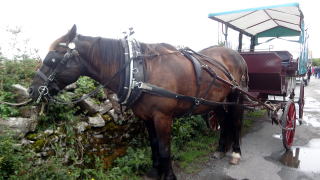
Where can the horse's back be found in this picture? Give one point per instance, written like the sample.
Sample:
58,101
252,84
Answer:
231,59
225,55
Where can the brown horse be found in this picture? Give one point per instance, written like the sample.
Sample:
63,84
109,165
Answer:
103,60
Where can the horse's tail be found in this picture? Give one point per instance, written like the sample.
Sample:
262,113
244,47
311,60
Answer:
236,112
233,121
244,84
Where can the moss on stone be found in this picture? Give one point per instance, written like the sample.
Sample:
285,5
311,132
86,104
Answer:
107,117
32,136
39,144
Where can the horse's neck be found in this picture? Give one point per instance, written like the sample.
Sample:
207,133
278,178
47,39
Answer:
105,59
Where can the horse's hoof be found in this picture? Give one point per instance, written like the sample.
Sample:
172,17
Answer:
235,158
153,173
218,155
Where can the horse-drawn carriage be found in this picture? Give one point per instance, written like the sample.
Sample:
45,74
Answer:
272,73
159,82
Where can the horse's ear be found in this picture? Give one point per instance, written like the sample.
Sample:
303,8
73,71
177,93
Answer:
72,33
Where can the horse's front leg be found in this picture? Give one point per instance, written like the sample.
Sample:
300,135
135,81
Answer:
153,173
163,126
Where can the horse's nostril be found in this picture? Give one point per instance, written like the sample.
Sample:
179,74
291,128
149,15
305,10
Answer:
30,91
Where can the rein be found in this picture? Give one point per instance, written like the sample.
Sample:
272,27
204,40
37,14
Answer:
16,104
93,92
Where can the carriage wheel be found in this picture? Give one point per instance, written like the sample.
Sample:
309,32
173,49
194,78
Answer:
288,121
301,102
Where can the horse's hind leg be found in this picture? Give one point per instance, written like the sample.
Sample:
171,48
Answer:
223,139
163,125
153,173
230,128
236,115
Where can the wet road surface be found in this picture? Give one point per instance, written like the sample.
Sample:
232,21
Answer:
263,155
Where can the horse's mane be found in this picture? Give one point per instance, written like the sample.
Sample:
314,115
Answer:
104,51
111,51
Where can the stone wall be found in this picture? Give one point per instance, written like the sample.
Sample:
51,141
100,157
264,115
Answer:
104,131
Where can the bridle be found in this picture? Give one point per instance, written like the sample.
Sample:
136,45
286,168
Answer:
43,89
72,52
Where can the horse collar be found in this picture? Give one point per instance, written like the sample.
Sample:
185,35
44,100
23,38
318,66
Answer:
128,92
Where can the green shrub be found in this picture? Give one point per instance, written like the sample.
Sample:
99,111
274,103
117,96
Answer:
6,110
17,72
86,85
187,128
14,72
135,162
12,157
56,114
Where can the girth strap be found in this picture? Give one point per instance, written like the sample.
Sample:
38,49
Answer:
155,90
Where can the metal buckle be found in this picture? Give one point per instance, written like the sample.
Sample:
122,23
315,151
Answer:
197,102
51,77
43,90
135,70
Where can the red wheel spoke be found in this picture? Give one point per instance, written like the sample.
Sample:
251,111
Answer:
289,123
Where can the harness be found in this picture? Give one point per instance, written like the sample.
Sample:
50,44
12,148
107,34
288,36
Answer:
198,66
132,82
134,77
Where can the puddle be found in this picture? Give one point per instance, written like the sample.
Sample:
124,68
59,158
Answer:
311,120
317,91
305,158
311,111
290,158
311,103
310,99
315,143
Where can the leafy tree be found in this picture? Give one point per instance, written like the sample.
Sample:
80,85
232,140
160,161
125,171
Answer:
316,62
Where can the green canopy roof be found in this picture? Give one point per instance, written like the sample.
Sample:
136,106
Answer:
269,21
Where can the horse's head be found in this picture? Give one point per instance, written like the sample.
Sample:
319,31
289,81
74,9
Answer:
61,67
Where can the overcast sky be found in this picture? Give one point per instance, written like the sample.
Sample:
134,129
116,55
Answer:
178,22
